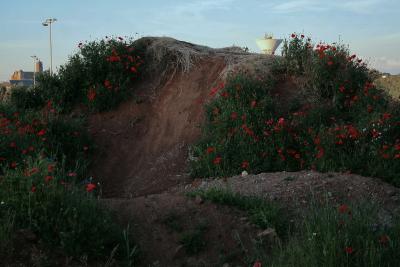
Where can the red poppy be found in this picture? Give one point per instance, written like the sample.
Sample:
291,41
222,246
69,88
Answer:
257,264
281,122
210,150
234,115
91,95
72,174
386,116
13,145
343,209
133,69
293,35
107,84
33,189
48,178
253,103
13,165
330,63
342,89
349,250
320,153
33,171
369,109
41,132
90,187
225,94
245,164
375,133
217,160
120,38
85,148
302,36
352,132
384,239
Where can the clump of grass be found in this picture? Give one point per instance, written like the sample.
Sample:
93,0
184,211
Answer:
262,213
341,236
193,240
173,222
62,214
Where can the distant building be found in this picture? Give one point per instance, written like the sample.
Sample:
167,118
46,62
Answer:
25,78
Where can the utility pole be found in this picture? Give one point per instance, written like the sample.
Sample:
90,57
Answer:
35,58
46,23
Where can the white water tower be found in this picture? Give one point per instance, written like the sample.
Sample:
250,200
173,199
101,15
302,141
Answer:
268,45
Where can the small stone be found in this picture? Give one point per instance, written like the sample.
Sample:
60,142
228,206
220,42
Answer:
244,173
226,265
199,200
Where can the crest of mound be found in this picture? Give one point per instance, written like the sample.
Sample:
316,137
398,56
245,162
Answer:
142,146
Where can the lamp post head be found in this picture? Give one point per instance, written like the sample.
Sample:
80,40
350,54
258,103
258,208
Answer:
47,22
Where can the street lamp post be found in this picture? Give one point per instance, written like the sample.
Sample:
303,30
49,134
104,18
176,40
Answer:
46,23
35,58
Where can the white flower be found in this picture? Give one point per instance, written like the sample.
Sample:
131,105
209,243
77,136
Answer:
244,173
2,203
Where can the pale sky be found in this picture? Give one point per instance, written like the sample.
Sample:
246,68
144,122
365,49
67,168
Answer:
370,27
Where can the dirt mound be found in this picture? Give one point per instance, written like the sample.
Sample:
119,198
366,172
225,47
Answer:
143,144
293,190
162,221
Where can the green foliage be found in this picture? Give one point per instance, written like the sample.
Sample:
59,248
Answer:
47,201
262,213
43,188
342,123
26,98
28,133
100,76
343,236
193,241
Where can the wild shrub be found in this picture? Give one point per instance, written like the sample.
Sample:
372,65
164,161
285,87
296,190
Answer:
344,123
26,98
100,75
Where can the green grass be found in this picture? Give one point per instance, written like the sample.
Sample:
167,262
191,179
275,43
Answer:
325,235
193,240
262,213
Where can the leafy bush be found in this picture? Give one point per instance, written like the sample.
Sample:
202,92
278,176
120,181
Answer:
344,123
28,133
43,188
100,76
46,200
26,98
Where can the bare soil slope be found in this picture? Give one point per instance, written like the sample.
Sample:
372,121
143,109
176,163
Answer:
143,145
